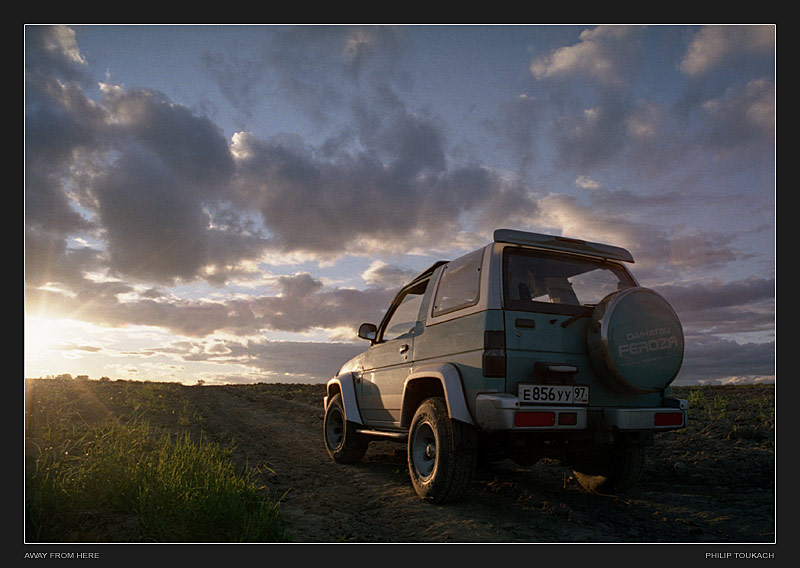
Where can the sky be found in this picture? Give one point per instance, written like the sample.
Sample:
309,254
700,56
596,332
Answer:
226,204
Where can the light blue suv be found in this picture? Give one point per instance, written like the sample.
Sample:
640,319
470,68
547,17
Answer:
532,346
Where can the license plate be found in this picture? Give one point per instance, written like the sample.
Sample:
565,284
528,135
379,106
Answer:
553,394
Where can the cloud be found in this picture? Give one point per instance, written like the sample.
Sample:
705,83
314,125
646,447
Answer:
172,200
128,193
720,320
381,274
714,360
240,77
625,219
321,69
743,115
741,309
716,294
714,45
517,127
302,304
404,191
53,50
264,360
586,182
602,54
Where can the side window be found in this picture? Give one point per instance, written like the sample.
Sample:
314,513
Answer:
460,284
405,316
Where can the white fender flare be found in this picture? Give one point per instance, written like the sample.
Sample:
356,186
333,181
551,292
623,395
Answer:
454,395
347,386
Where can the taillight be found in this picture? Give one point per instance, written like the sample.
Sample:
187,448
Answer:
668,419
535,419
494,354
567,418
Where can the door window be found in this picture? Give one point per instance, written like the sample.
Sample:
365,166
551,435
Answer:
404,318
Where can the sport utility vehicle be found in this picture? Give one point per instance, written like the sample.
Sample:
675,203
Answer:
532,346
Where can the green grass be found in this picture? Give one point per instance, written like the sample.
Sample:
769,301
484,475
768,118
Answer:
753,404
96,476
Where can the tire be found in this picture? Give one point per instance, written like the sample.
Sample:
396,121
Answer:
343,443
442,453
619,470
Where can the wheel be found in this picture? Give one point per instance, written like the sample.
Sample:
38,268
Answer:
617,471
343,443
442,453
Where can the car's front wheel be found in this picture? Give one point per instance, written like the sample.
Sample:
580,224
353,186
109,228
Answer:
343,443
441,453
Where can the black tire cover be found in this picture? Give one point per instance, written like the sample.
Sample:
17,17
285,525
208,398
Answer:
635,341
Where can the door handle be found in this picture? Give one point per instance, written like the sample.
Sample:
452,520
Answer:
403,348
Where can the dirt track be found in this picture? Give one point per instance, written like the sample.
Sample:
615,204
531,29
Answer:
710,484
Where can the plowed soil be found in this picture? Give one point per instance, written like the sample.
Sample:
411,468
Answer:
712,483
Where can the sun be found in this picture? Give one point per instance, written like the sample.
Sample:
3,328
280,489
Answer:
42,336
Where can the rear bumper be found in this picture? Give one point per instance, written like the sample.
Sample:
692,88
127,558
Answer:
496,412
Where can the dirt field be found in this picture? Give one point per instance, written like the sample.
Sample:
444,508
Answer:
713,483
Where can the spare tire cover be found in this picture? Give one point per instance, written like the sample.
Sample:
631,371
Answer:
635,341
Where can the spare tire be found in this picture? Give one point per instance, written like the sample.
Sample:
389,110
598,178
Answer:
635,341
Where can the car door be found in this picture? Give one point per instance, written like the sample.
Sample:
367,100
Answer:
387,363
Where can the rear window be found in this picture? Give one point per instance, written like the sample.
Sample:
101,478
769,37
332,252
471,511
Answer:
536,281
459,286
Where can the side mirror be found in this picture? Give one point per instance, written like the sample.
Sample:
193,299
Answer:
368,331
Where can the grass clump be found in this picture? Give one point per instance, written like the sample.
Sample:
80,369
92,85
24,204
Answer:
118,479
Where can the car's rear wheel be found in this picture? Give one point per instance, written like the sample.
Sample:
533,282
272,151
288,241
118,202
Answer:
441,453
343,443
617,470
